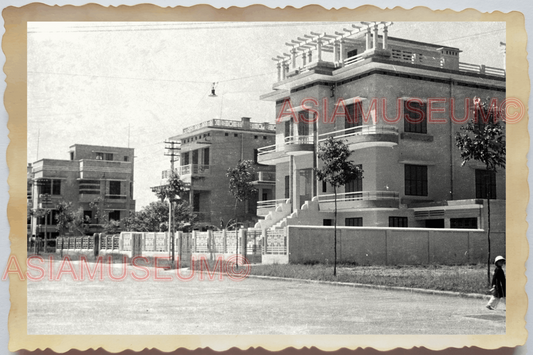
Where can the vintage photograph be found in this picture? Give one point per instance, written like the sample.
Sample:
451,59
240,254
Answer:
277,178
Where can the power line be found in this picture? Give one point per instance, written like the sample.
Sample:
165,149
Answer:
181,27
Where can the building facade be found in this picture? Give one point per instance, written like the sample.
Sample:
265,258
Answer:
97,179
398,104
207,150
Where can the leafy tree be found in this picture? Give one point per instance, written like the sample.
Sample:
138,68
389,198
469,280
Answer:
172,191
154,217
337,170
240,182
483,140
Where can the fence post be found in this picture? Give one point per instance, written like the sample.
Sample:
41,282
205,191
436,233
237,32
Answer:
264,246
242,235
224,242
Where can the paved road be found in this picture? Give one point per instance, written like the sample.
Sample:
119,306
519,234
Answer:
251,306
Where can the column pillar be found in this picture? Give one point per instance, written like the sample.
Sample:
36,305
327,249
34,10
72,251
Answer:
310,56
336,51
367,37
375,37
293,58
385,37
279,71
283,70
304,59
291,183
319,50
296,187
342,51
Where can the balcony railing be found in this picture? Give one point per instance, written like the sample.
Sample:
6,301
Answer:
193,169
358,131
360,196
216,122
481,69
270,203
265,176
299,140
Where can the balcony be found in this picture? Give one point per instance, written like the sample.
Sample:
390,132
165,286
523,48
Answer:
365,136
193,170
362,199
279,153
264,177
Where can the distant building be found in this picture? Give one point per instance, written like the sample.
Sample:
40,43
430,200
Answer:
98,175
413,175
207,150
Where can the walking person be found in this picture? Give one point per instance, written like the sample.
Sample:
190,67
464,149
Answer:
498,284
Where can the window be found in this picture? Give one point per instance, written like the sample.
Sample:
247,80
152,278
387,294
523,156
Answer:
287,129
415,117
467,223
327,222
324,186
71,155
354,185
485,184
56,187
108,156
126,158
87,216
416,180
226,134
114,187
50,186
398,222
206,156
264,137
353,116
303,123
114,215
196,202
99,156
235,134
195,156
255,137
185,160
287,186
354,222
351,53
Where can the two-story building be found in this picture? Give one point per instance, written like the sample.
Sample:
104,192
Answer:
207,150
97,179
398,104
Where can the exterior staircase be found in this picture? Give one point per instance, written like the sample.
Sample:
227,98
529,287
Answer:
281,211
306,215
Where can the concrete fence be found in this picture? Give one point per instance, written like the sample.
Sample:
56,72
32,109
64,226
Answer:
209,244
392,246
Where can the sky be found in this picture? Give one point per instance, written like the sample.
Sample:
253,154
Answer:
137,84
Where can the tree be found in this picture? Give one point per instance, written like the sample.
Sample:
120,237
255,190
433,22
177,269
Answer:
240,182
483,140
172,191
154,217
337,170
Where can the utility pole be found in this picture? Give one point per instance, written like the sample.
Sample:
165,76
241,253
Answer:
173,148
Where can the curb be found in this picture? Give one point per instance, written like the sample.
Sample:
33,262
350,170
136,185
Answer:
382,287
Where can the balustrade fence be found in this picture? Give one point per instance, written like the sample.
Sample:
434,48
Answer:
219,242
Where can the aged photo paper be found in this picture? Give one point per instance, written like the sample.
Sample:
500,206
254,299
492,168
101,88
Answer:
101,100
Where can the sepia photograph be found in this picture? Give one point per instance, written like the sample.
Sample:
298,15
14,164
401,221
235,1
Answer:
290,179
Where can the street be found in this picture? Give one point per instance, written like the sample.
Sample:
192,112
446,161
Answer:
250,306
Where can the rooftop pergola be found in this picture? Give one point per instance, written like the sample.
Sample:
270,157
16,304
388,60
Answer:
337,43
